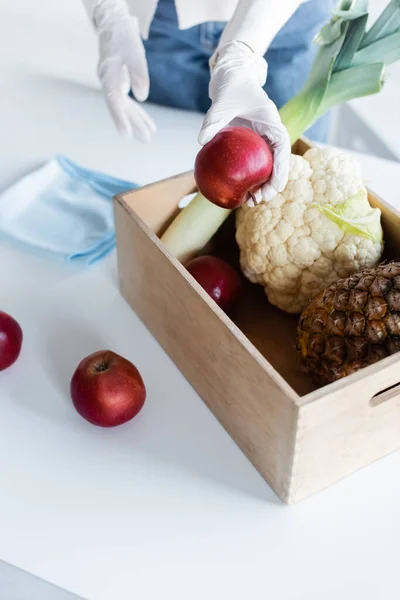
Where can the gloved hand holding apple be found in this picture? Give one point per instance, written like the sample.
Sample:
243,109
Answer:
238,74
239,100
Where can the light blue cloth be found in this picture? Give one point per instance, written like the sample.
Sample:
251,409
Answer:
62,210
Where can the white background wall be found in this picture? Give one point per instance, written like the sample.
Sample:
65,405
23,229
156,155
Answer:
372,124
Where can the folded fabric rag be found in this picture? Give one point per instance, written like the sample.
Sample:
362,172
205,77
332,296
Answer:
64,210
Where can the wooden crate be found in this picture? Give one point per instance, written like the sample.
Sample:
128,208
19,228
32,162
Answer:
245,367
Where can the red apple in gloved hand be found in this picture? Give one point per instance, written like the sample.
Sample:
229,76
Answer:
10,340
107,390
231,167
217,278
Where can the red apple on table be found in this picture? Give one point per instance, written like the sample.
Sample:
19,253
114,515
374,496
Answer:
10,340
107,390
217,278
231,167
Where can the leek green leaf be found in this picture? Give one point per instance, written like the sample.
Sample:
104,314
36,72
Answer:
386,24
352,42
351,9
330,32
350,15
353,83
385,50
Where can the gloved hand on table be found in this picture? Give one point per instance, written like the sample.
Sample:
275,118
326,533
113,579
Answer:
238,98
122,66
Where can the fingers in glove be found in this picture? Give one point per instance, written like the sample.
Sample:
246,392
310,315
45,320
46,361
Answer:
279,177
281,150
142,124
130,119
268,192
115,82
140,81
115,104
280,171
138,70
113,76
278,139
216,119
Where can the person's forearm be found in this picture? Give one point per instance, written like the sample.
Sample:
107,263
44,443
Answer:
256,22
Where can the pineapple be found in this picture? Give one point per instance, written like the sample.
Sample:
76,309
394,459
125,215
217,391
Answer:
352,324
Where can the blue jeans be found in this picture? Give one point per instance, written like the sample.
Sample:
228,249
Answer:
178,59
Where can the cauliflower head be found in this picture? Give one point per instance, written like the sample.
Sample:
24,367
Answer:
319,229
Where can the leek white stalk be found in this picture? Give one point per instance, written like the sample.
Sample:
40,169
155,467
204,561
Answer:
350,64
191,231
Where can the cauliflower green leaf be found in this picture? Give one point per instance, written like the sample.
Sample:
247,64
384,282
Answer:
352,220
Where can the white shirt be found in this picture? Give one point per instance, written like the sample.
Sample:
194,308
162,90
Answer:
189,12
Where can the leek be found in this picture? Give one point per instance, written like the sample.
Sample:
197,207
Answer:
190,231
350,63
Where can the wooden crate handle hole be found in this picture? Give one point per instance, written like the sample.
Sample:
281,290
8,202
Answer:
385,395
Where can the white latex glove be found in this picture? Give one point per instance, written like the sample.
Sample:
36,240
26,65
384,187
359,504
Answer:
122,66
239,99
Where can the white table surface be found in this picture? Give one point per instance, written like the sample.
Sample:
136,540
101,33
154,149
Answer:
166,506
